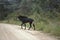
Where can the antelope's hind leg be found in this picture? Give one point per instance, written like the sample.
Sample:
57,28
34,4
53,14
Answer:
34,26
30,26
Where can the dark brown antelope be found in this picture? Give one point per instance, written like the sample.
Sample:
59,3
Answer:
25,20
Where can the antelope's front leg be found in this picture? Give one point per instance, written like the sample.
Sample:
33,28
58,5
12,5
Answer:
25,26
22,26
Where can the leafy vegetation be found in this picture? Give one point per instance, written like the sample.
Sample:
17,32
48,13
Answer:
46,13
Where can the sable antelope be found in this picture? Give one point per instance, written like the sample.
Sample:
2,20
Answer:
25,20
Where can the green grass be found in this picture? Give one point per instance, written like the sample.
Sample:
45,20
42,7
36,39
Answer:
49,28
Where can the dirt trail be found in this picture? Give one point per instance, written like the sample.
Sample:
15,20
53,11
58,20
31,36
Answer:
13,32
